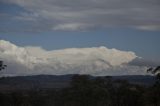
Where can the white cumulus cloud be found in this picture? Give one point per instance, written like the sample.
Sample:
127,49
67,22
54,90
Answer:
94,61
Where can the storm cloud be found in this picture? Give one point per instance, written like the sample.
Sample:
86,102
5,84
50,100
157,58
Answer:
81,15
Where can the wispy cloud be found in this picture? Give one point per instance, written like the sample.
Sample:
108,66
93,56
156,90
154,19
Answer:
64,15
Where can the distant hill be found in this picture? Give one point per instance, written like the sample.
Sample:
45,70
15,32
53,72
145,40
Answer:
58,82
137,79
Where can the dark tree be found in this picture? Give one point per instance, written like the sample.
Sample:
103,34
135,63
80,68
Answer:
155,71
2,66
154,91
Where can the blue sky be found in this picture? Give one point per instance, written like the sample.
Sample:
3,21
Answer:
144,43
125,25
29,23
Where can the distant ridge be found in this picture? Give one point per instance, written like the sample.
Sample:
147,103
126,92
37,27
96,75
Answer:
59,81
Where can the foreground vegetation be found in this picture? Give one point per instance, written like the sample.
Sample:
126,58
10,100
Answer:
87,91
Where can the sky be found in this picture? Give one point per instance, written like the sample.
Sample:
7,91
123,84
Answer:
97,37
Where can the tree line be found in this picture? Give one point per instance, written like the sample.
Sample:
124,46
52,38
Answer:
87,91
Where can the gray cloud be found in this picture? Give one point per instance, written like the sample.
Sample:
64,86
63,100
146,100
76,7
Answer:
89,14
143,62
94,61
